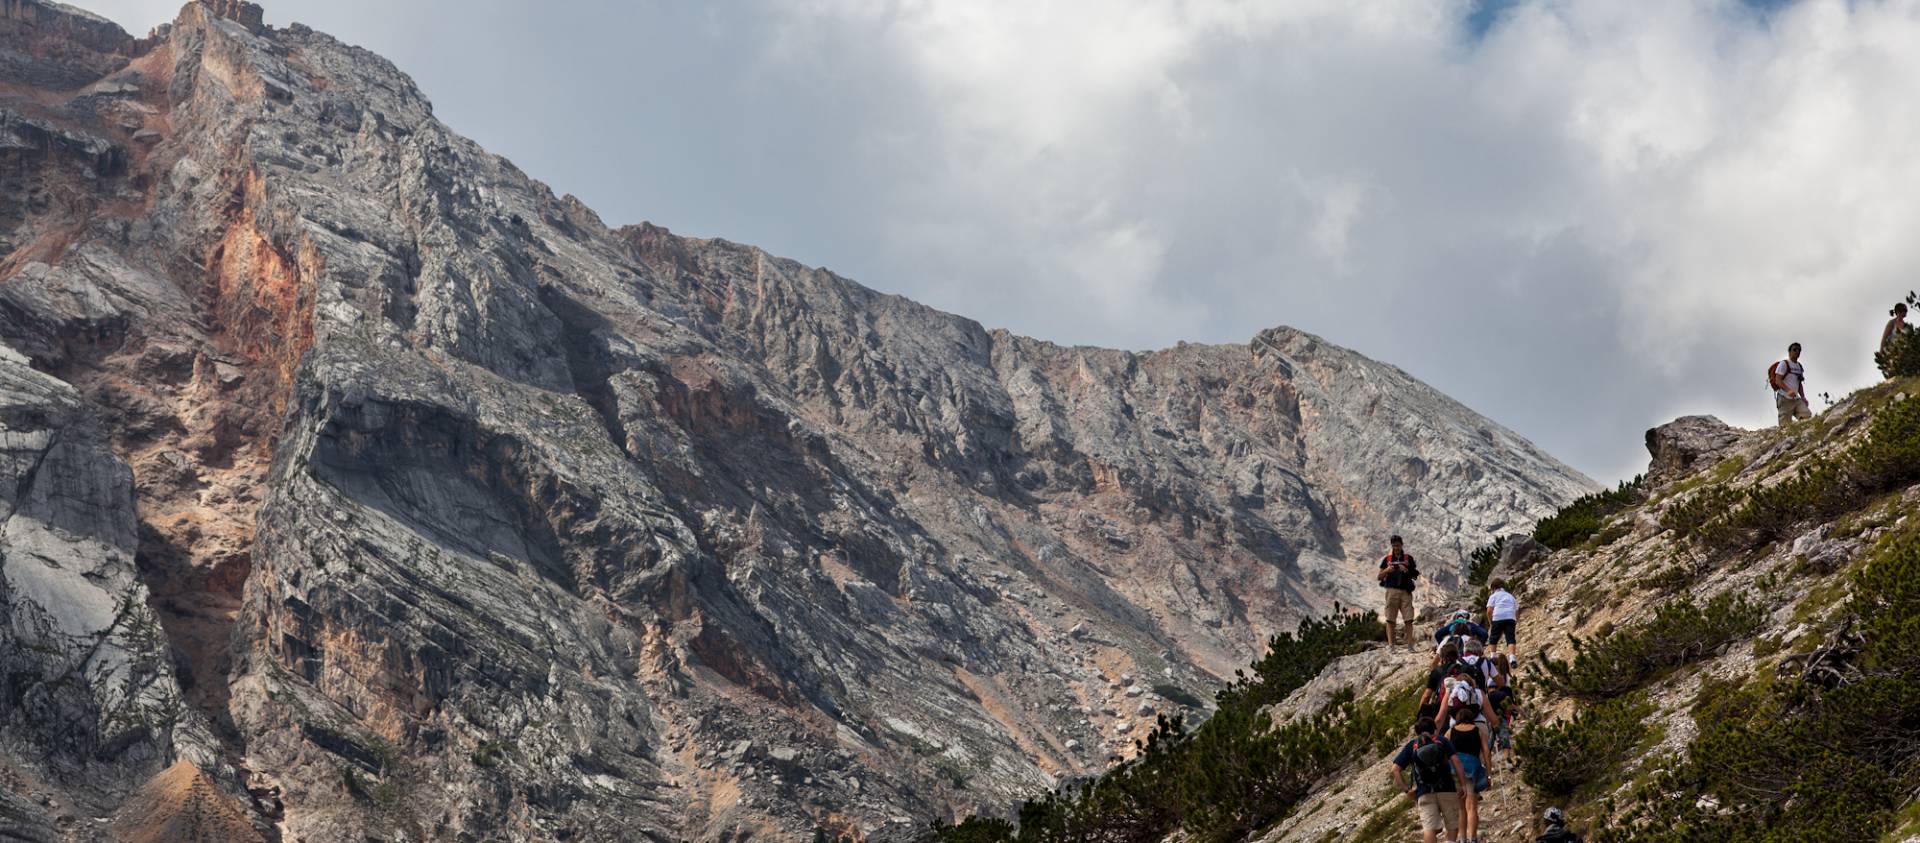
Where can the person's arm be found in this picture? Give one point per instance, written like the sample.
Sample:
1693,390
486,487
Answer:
1776,378
1460,781
1399,783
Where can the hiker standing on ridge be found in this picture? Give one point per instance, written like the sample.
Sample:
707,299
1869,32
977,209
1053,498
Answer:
1503,611
1397,573
1789,381
1895,326
1437,781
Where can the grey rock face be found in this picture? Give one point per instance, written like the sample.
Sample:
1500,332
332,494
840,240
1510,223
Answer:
465,515
84,672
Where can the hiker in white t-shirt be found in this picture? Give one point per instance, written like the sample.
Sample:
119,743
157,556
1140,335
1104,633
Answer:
1788,379
1503,609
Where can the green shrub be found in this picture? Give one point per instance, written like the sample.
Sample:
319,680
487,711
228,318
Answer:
1557,758
1887,458
1679,632
1235,773
1481,562
1822,760
1687,516
1578,520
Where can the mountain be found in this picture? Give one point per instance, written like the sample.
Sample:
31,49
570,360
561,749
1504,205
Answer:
363,489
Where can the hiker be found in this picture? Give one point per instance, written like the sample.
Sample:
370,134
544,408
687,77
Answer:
1433,698
1895,326
1469,742
1503,610
1437,780
1789,381
1397,573
1460,629
1500,702
1463,690
1556,822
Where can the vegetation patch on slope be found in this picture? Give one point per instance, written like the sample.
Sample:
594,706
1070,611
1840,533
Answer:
1238,772
1680,631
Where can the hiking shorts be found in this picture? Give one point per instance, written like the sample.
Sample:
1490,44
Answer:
1440,812
1792,408
1500,629
1399,605
1475,771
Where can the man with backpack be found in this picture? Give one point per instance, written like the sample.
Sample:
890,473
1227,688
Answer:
1397,574
1437,781
1459,630
1789,381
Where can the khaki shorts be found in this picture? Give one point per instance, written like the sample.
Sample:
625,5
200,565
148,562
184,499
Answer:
1792,408
1440,812
1399,605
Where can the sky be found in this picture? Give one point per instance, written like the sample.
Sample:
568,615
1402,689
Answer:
1582,218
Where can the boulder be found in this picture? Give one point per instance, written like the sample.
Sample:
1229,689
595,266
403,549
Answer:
1519,553
1679,445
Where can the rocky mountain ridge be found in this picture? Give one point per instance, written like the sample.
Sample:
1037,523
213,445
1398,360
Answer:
399,499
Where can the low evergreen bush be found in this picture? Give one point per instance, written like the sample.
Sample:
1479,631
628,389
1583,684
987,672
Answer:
1557,758
1679,632
1579,520
1887,458
1234,774
1806,760
1481,562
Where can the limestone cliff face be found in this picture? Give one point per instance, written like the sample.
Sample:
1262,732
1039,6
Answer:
457,515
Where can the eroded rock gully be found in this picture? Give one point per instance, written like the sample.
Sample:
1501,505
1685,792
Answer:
442,511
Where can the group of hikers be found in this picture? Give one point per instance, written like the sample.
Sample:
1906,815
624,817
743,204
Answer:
1788,377
1467,709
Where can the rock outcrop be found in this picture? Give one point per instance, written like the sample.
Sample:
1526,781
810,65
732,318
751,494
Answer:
458,515
1679,445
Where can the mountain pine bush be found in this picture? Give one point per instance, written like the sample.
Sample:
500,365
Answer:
1887,458
1235,773
1579,520
1481,562
1807,757
1557,758
1679,632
